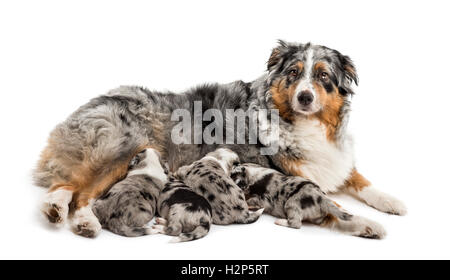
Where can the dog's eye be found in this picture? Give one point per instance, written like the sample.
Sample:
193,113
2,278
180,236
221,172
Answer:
293,73
324,76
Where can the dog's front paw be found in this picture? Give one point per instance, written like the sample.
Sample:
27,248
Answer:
381,201
368,229
55,206
389,204
395,207
85,223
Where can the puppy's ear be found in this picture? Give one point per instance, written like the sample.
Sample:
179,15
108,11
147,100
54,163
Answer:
348,74
277,54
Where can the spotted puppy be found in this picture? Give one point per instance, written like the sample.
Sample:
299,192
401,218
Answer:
294,200
209,177
183,212
131,204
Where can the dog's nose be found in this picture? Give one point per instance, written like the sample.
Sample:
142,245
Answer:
305,97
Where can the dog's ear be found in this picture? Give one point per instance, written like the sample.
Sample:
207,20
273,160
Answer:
348,74
277,54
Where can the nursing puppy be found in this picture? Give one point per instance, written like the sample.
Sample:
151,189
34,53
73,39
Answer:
294,200
209,177
184,213
131,204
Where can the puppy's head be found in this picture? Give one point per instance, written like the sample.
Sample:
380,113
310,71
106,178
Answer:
239,175
138,162
305,79
226,157
150,163
147,157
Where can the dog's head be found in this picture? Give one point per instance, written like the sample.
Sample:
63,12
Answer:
305,79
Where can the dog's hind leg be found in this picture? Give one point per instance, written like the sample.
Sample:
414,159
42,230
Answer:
361,188
294,215
55,205
84,221
199,232
174,228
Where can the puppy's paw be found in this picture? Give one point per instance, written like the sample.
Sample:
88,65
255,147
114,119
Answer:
55,206
253,208
161,221
85,223
282,222
157,229
175,240
260,212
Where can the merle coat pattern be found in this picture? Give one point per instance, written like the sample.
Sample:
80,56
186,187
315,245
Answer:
209,177
293,199
90,151
184,213
130,205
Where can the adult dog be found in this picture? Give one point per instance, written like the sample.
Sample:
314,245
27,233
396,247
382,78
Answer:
310,86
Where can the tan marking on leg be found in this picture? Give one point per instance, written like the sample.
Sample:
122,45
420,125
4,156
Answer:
356,181
337,204
98,184
67,187
329,221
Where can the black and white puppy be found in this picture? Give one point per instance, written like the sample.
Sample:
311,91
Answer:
183,212
210,178
294,199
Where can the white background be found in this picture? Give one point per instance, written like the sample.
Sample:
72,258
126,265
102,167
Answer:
56,55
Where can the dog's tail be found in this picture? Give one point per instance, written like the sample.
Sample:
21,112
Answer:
199,232
250,217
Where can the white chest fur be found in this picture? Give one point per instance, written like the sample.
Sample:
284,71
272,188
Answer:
326,163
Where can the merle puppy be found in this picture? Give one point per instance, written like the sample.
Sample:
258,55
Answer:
294,199
131,204
210,178
184,213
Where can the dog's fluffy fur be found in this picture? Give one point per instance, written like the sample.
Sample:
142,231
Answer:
91,150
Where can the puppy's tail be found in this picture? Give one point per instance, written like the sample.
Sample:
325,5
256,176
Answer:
339,220
199,232
250,217
128,231
331,208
